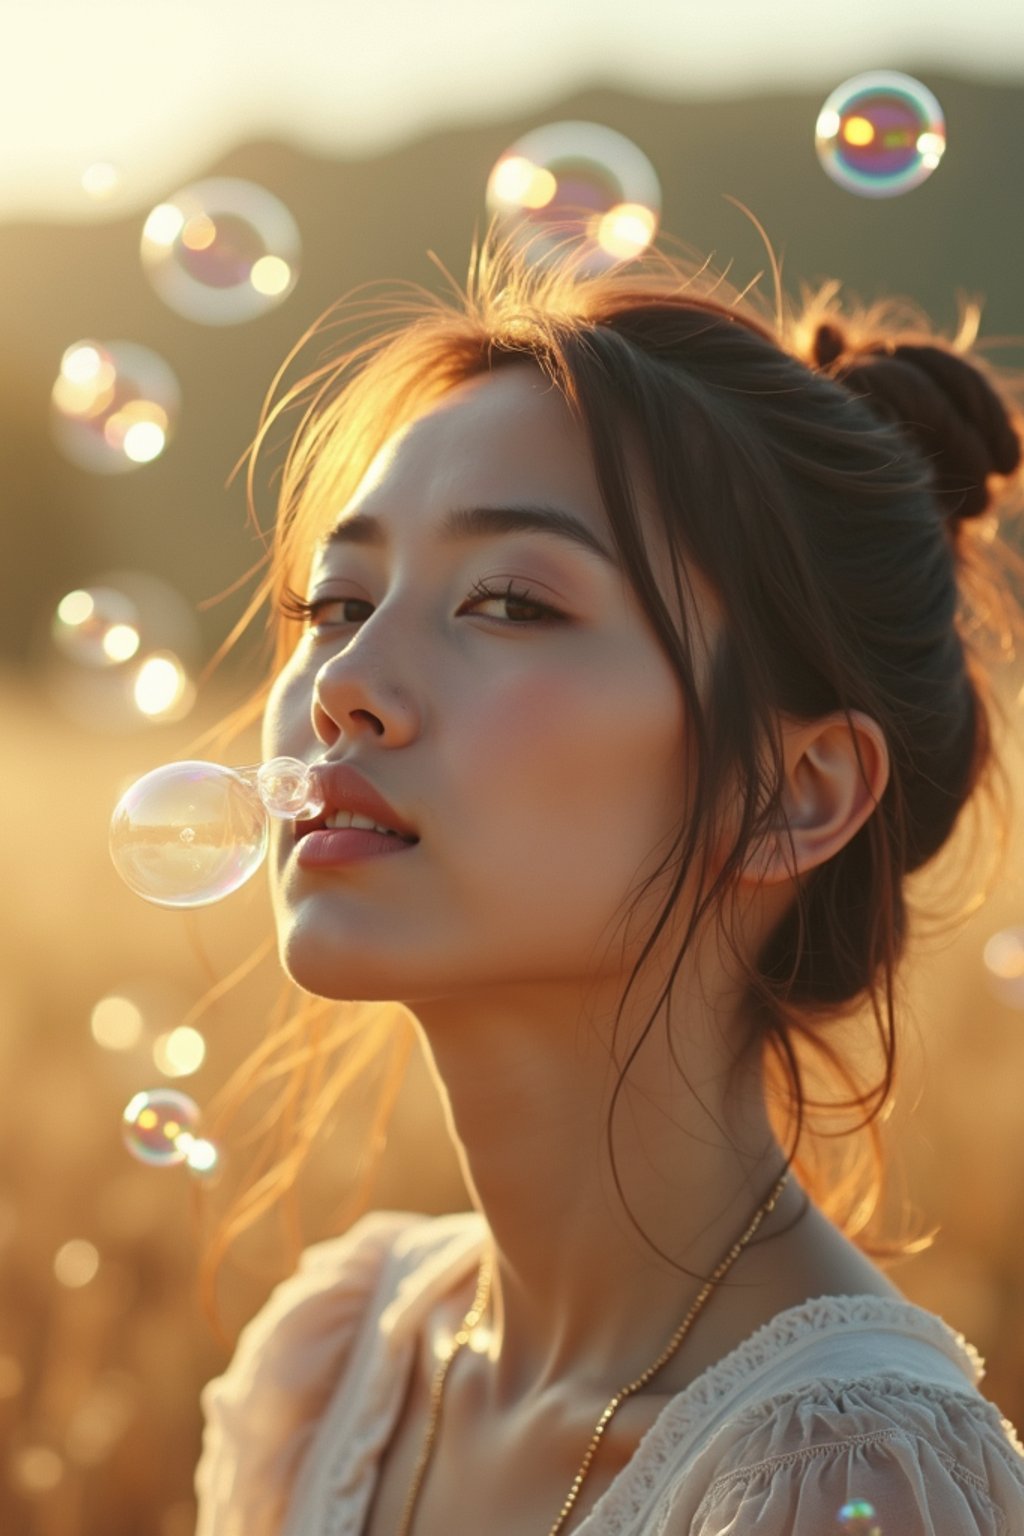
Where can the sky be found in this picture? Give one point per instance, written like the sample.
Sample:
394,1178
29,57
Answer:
159,87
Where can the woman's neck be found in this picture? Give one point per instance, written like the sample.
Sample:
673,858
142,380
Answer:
577,1293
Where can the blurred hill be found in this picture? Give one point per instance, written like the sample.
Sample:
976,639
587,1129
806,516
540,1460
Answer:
374,218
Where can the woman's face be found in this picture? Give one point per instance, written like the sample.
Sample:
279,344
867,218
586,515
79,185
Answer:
539,756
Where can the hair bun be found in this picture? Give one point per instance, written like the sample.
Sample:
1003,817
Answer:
941,401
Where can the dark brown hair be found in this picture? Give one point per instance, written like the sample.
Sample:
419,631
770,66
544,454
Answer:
836,479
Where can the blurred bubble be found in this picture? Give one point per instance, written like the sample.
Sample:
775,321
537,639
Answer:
180,1052
114,406
76,1263
98,626
1004,966
101,1418
118,653
116,1023
859,1519
222,251
576,185
188,834
163,688
159,1126
35,1469
880,134
101,180
12,1377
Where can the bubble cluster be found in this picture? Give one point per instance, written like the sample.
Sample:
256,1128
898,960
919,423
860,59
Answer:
577,184
858,1518
880,134
221,251
159,1126
114,406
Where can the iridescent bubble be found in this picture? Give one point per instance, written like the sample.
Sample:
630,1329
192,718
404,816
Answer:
96,626
222,251
159,1126
1004,966
858,1518
188,834
114,406
880,134
580,186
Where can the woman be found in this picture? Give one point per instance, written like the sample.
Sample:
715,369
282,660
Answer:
634,623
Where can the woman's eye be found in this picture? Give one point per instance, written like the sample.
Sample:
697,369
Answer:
313,611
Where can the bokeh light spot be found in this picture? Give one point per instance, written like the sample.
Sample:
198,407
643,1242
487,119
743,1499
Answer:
116,1023
35,1469
76,1263
179,1052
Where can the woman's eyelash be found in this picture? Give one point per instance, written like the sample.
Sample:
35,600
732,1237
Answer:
306,610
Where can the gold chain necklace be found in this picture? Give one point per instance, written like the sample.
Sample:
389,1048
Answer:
471,1321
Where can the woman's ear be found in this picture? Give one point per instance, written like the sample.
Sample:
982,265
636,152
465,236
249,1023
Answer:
825,798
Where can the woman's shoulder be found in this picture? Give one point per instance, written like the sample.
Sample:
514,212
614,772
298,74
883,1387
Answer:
901,1436
261,1412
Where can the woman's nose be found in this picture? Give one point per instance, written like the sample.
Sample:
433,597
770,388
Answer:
351,699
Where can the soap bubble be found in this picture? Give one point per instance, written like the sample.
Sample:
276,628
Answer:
190,833
159,1126
114,406
287,789
221,251
97,626
1004,966
859,1519
576,184
880,134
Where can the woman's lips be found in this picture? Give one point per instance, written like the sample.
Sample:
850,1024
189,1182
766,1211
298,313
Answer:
331,847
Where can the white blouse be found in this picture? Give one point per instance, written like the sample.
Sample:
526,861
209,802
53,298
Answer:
841,1400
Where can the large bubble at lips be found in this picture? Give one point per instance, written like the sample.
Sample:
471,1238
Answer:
880,134
114,406
188,834
576,186
222,251
191,833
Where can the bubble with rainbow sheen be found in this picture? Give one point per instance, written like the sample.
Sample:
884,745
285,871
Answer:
858,1518
96,626
188,834
159,1126
576,186
114,406
880,134
221,251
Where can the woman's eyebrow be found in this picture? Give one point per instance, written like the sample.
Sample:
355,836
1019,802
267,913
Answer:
478,523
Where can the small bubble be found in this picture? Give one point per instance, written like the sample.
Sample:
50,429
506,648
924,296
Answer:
222,251
159,1126
880,134
114,406
578,186
858,1518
